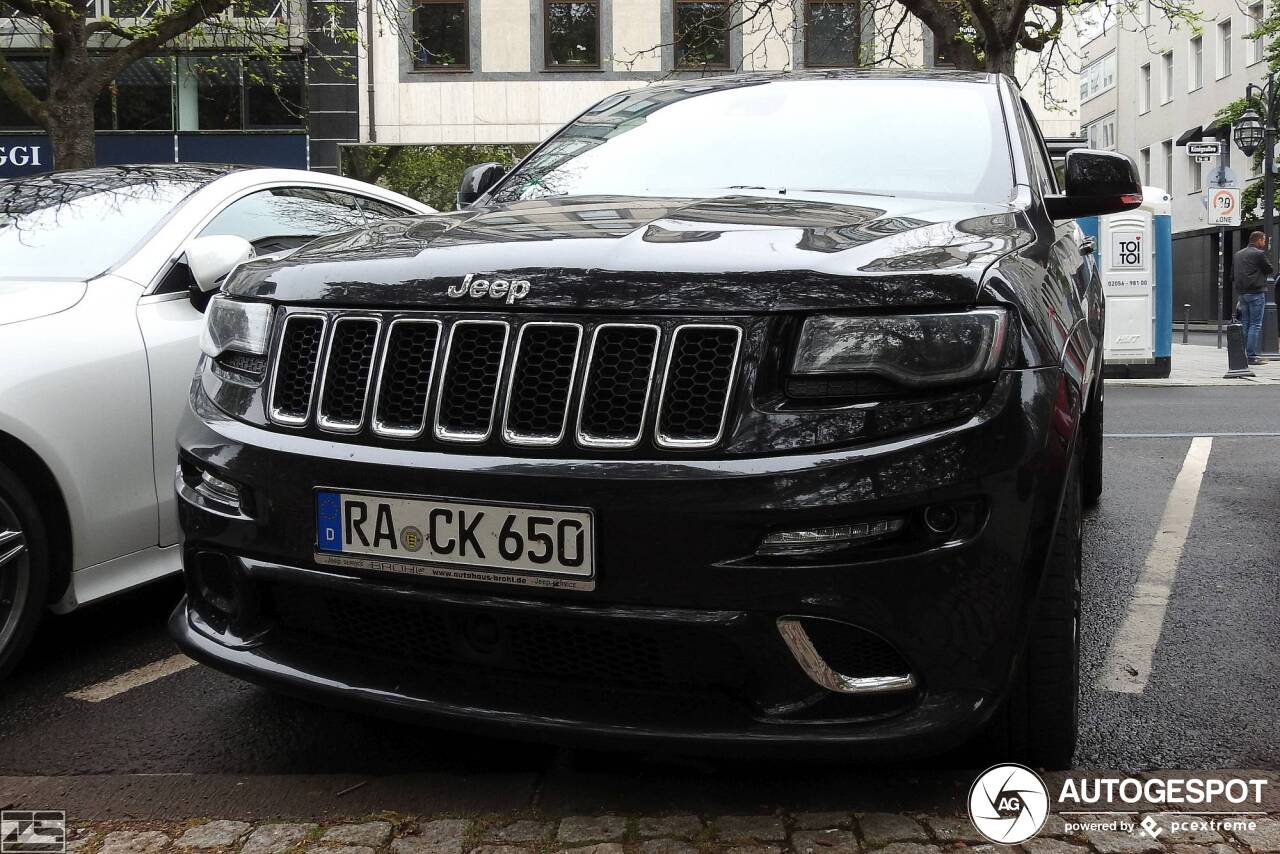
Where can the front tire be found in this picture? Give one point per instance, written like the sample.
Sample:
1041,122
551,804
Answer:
1039,722
24,576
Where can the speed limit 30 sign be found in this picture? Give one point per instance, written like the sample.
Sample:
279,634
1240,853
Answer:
1224,206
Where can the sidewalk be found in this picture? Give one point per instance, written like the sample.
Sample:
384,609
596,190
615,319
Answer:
1198,365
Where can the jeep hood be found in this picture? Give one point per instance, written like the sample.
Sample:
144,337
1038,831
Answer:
740,253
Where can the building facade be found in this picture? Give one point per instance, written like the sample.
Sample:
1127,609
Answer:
512,71
1142,87
209,100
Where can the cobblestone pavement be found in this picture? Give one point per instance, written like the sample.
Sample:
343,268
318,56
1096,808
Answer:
777,833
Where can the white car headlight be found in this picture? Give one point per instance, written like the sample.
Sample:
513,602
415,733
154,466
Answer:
915,350
232,325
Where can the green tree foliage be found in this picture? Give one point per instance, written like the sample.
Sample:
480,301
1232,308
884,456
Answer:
428,173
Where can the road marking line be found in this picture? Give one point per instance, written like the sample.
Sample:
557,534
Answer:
131,679
1128,663
1186,435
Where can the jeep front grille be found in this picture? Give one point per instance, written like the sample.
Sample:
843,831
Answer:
525,383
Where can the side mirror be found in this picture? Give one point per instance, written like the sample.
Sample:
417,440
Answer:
211,258
477,181
1098,182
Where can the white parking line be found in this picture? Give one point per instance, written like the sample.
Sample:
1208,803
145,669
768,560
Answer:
1128,664
131,679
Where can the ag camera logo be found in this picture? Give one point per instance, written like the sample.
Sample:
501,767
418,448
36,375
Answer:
1008,804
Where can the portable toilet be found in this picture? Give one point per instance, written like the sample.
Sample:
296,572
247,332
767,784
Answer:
1134,253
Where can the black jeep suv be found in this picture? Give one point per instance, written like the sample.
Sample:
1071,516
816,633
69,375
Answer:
747,412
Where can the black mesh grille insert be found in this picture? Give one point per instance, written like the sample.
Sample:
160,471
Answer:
296,369
617,385
470,383
542,380
584,650
851,651
406,376
696,389
347,370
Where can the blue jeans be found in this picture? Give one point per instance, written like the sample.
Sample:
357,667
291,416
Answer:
1251,308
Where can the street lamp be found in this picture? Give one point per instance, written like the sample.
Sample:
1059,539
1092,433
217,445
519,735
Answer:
1248,132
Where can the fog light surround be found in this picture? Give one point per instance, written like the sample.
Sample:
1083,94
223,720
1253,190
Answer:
815,541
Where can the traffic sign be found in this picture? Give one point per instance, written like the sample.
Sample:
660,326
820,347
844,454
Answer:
1203,158
1203,149
1224,206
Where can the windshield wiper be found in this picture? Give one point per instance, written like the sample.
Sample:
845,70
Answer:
784,190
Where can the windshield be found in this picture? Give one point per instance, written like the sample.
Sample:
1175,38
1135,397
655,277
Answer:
900,137
79,225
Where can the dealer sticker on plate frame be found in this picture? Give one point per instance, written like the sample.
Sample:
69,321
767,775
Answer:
456,539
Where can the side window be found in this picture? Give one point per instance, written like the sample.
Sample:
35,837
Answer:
1041,162
375,209
287,217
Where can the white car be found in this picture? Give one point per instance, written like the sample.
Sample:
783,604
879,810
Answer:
104,274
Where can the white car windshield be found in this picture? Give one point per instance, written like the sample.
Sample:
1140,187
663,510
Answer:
79,225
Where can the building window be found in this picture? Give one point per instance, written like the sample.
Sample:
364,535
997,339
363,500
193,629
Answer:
1257,46
1193,176
441,35
1144,88
272,93
1102,133
141,98
1166,150
1145,165
1195,63
1224,48
34,72
832,34
701,34
1098,76
222,93
1166,77
572,34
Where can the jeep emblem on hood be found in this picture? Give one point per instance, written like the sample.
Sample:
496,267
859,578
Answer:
510,289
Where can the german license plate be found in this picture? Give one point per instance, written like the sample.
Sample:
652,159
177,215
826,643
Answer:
462,540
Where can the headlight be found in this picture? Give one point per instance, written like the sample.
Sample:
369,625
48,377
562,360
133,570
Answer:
243,327
916,350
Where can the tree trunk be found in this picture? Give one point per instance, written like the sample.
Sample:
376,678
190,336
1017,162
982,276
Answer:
71,132
71,97
1000,60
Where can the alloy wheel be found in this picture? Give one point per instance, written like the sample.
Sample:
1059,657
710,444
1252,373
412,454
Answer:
15,572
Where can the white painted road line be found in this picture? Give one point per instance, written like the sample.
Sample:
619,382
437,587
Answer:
131,679
1128,664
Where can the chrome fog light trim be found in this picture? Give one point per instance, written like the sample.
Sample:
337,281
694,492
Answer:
806,655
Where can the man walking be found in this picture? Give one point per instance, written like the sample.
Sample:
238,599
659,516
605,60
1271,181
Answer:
1250,269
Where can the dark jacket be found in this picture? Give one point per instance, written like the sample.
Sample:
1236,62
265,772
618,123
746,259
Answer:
1249,271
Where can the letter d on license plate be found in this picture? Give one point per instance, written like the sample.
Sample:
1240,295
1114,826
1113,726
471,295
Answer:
463,540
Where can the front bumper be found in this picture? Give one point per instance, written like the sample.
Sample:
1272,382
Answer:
679,642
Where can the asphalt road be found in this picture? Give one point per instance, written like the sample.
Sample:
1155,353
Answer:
1212,699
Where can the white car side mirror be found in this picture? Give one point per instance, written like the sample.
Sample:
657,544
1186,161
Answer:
211,258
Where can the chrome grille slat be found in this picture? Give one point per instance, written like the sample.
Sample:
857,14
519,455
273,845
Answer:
400,401
693,401
527,383
302,339
346,380
618,384
471,380
540,386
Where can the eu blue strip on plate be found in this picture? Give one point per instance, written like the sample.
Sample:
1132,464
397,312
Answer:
329,521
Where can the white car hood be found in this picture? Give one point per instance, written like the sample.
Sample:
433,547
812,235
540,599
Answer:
27,300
